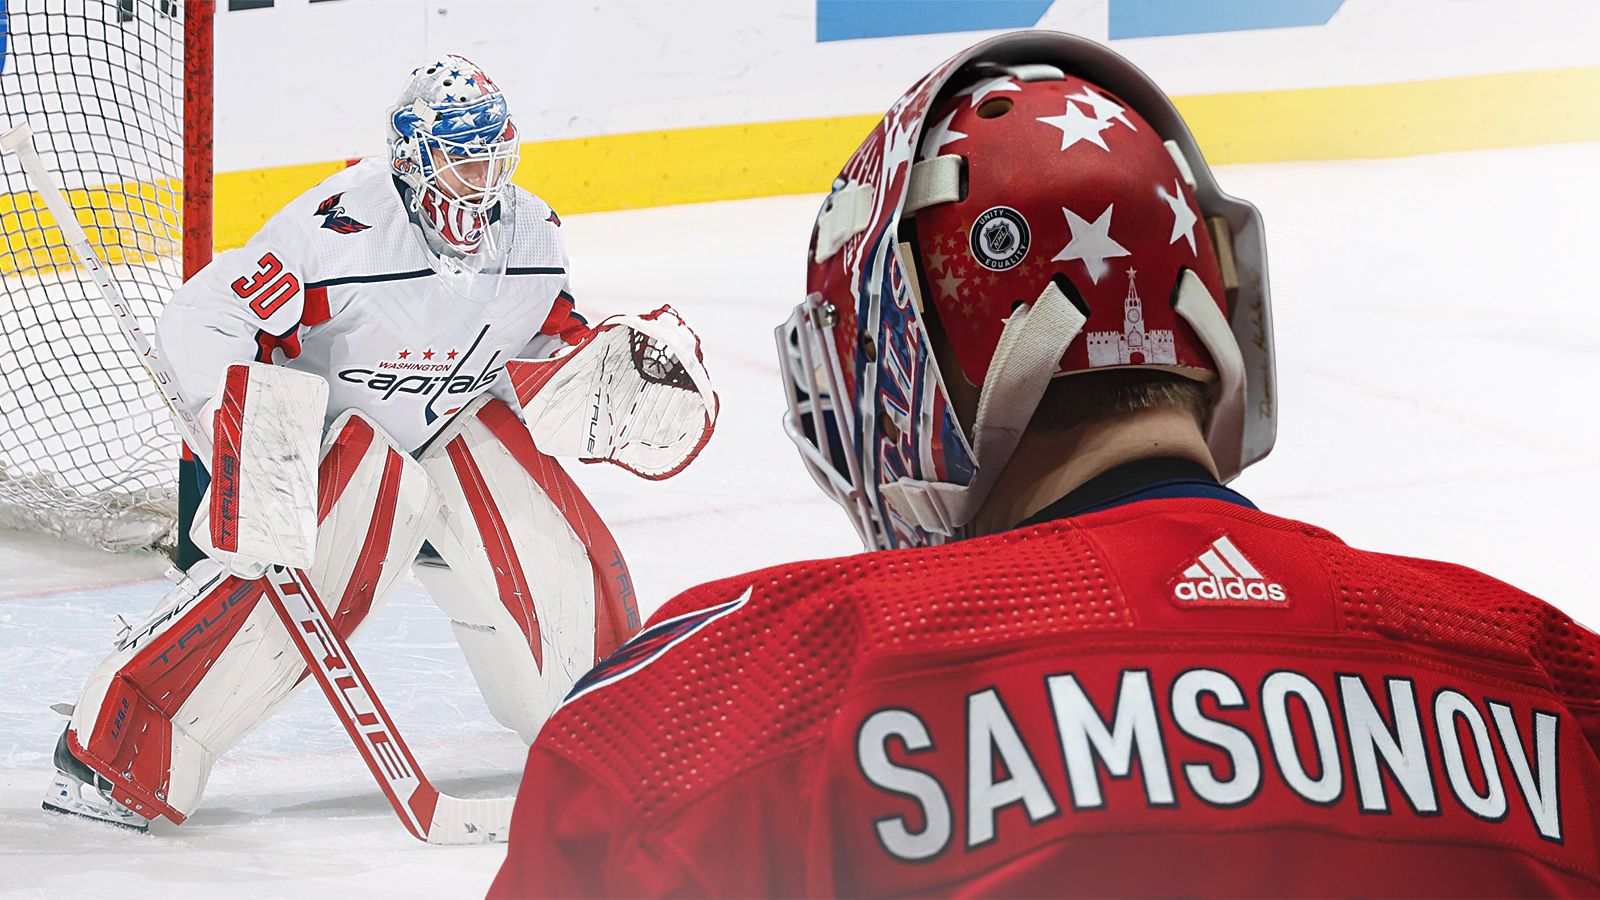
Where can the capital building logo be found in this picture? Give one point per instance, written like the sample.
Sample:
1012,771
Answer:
1133,345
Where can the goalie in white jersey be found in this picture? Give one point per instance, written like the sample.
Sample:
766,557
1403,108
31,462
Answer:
356,352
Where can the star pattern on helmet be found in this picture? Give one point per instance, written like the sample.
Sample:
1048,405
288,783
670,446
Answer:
986,87
972,297
1076,126
1034,268
918,106
1091,242
949,285
937,260
1183,218
900,137
939,137
1105,109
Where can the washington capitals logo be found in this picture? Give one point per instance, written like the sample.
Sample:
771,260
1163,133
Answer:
554,219
456,384
333,216
650,644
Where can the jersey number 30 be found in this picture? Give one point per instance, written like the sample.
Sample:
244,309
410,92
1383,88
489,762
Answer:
268,289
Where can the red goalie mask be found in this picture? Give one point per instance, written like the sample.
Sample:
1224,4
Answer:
1044,200
1055,177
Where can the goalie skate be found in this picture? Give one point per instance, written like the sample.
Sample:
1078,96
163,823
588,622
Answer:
77,791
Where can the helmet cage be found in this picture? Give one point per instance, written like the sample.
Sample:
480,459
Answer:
811,380
458,160
916,433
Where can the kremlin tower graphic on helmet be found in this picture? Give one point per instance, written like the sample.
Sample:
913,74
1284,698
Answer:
1133,345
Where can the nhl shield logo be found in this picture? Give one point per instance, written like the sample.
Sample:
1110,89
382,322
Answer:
999,238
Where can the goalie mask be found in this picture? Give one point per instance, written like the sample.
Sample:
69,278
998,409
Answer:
1043,200
454,146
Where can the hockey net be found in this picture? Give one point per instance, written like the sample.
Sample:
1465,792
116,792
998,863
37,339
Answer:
87,448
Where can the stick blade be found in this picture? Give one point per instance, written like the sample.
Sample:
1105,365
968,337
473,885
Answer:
457,821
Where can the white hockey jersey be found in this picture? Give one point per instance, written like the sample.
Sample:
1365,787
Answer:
340,283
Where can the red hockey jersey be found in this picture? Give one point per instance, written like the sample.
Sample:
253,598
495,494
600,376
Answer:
1172,697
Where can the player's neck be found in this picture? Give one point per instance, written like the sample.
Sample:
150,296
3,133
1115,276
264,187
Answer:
1048,466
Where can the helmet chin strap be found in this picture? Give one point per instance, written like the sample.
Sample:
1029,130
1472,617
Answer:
1027,357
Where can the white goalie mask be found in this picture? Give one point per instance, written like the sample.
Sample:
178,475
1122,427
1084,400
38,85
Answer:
454,146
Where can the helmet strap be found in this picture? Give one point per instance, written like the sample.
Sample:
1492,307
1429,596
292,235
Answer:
1225,430
1027,357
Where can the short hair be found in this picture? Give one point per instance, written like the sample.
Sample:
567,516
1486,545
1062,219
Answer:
1083,397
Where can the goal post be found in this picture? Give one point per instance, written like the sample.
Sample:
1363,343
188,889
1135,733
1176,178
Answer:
199,85
119,96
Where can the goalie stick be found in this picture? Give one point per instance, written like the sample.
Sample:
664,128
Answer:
426,812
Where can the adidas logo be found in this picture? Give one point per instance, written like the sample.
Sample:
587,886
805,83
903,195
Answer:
1222,574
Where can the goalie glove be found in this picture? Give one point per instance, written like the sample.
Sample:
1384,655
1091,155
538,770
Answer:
634,393
261,506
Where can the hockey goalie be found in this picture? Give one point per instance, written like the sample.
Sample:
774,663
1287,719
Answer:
1036,345
385,373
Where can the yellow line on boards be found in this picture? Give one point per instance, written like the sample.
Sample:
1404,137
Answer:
128,222
691,165
241,202
1474,112
732,162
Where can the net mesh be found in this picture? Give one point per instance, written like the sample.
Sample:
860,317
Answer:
657,364
87,449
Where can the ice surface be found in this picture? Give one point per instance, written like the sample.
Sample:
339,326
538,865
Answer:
1437,337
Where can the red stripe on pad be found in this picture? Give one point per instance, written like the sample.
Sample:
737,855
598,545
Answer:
363,584
508,576
228,431
616,608
131,740
340,463
529,376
